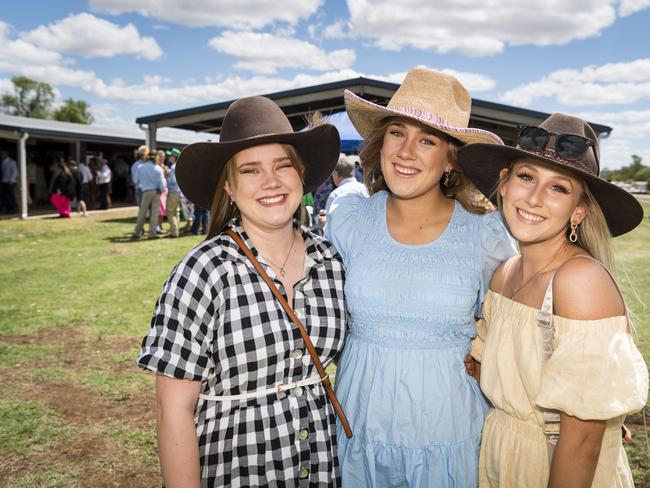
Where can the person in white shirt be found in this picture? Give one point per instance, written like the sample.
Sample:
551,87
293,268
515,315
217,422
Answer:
142,155
343,177
104,176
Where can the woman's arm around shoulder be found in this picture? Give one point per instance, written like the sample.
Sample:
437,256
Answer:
584,290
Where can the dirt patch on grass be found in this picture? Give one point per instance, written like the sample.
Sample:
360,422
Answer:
101,452
97,462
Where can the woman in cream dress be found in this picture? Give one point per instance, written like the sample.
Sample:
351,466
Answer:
555,340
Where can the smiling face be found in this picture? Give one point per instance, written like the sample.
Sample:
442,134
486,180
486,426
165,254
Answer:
413,159
539,201
267,186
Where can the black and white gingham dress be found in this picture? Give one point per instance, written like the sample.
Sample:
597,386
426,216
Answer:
217,322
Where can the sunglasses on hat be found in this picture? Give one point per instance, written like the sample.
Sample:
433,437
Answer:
567,146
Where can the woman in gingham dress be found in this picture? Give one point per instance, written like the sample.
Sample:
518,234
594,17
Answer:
239,400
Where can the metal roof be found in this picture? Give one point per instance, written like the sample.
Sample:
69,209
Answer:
328,98
12,126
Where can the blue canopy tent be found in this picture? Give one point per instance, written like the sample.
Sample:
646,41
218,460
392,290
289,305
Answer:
350,138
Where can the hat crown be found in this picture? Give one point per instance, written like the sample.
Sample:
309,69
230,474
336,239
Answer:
253,117
559,123
435,93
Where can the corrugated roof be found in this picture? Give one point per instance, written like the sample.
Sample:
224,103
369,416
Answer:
328,98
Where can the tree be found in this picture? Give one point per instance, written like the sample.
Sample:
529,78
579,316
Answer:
74,111
30,99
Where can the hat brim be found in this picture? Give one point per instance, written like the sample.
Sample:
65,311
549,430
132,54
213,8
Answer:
200,164
366,116
482,163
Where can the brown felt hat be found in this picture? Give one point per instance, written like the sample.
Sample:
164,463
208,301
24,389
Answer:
433,98
253,121
482,163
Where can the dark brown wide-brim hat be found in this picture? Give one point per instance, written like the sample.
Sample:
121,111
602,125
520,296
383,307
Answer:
482,163
249,122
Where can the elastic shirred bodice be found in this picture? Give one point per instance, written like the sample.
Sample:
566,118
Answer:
416,415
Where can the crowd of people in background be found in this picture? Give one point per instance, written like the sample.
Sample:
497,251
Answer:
95,183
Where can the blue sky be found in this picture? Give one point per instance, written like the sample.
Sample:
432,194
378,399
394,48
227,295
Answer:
132,58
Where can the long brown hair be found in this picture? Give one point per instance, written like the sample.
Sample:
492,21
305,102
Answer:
458,187
222,210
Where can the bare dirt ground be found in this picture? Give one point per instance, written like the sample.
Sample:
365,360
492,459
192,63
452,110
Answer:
100,458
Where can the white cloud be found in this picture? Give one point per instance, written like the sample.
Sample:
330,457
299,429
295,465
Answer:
266,53
629,7
6,86
92,37
614,83
338,30
477,29
240,14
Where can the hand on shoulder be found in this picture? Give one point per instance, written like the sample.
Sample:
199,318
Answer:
584,290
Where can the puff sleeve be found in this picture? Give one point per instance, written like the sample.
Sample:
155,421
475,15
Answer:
496,246
179,343
595,372
341,223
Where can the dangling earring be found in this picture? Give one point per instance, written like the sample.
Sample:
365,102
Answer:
447,173
573,236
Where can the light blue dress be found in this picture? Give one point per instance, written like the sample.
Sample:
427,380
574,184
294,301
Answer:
415,414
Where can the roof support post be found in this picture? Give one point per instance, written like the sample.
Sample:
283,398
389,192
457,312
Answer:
22,162
151,136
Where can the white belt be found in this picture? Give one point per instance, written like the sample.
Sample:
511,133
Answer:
278,388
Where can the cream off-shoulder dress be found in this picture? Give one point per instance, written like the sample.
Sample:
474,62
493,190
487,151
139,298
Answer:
594,372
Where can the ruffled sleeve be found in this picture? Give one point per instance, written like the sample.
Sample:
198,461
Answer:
179,343
496,246
341,223
595,372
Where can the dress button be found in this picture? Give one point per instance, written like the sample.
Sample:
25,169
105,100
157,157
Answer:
303,434
303,473
296,353
300,313
297,391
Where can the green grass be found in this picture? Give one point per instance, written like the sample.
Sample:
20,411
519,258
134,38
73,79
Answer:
15,355
82,272
26,425
82,295
116,386
63,477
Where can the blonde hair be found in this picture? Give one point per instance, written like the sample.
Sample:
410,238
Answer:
222,212
459,187
593,232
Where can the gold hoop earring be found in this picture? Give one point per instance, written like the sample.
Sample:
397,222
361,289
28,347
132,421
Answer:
447,173
573,236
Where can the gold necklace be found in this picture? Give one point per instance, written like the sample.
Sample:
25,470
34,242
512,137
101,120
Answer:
281,268
532,278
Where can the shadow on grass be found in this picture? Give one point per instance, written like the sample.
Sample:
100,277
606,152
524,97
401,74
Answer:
121,220
129,239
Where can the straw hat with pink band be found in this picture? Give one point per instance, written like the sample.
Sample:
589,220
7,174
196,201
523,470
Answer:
433,98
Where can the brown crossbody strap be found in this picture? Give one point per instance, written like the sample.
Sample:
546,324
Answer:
303,332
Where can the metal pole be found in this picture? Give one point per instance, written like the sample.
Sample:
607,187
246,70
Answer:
22,161
151,136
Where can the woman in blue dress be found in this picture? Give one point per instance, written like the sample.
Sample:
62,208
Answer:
419,254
